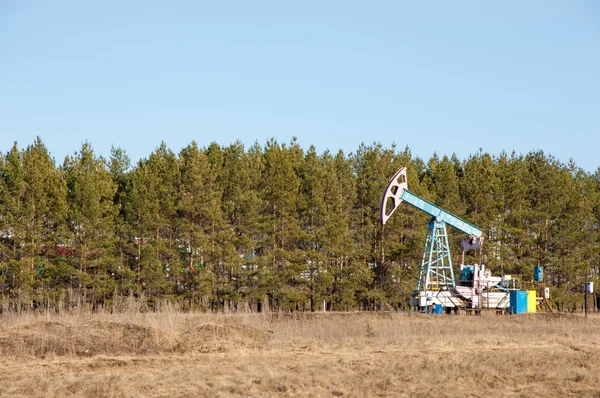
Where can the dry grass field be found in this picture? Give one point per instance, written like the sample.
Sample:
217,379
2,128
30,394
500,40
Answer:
173,354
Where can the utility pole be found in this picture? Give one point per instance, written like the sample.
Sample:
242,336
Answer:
585,300
588,287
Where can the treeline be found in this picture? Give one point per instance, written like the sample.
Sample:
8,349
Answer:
277,226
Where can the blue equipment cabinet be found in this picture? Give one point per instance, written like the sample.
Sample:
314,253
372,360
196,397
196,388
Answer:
538,274
518,302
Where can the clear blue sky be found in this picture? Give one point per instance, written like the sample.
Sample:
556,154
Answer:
443,76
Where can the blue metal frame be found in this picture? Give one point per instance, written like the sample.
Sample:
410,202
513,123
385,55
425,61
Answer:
436,270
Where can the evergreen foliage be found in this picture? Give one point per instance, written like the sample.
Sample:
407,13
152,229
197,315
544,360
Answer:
277,227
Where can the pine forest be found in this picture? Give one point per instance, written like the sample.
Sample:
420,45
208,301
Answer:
276,226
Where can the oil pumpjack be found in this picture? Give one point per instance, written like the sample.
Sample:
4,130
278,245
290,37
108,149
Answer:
436,285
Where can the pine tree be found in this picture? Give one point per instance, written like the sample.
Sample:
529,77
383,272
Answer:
241,205
480,192
571,234
43,201
222,237
593,190
92,214
311,210
141,208
150,210
119,167
198,217
279,190
13,195
44,209
4,226
544,196
165,178
512,243
17,275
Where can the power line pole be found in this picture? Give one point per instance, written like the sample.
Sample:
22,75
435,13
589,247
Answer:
588,287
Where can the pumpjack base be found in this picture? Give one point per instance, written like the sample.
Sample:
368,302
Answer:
457,298
425,299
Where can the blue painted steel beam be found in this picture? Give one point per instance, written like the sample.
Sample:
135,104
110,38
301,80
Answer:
440,214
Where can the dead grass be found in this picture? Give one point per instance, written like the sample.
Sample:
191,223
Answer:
355,355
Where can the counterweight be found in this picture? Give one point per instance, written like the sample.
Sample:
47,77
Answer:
397,190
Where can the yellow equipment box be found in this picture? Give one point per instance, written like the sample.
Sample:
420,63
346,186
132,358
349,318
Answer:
531,304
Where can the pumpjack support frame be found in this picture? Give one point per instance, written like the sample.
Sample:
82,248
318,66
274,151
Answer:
436,271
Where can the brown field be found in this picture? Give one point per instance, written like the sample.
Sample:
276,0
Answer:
173,354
